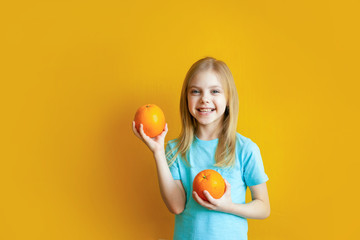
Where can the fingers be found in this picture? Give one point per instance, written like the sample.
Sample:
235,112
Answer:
163,134
203,203
135,130
209,197
140,134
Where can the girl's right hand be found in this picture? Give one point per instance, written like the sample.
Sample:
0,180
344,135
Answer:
155,144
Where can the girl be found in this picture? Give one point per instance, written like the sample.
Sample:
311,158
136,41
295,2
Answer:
208,140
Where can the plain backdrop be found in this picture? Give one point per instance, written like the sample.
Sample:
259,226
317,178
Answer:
73,74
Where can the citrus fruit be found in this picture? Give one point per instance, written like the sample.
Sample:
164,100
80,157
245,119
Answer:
152,118
209,180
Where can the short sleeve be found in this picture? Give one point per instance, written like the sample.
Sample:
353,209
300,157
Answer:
174,168
254,172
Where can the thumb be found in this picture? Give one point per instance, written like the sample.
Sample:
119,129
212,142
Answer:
163,134
227,185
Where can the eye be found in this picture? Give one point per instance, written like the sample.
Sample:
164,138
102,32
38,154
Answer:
194,91
215,91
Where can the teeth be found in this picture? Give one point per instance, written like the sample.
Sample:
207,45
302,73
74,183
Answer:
205,110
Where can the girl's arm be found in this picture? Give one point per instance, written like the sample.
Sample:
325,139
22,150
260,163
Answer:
172,191
258,208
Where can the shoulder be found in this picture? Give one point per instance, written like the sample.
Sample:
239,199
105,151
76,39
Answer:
171,143
245,144
243,141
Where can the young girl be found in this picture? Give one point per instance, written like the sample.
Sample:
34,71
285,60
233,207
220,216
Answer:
208,140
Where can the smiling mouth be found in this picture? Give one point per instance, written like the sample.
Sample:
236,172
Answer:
206,109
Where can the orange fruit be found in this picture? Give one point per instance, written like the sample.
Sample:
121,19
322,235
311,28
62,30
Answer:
152,118
209,180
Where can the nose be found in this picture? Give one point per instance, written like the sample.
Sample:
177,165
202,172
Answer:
205,99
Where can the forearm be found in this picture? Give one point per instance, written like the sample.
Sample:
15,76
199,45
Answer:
256,209
172,195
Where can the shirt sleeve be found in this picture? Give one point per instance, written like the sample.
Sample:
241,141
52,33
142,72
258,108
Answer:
174,168
254,172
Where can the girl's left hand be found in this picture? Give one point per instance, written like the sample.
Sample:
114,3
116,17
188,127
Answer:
222,204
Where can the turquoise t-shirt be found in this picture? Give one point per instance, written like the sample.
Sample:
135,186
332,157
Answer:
197,222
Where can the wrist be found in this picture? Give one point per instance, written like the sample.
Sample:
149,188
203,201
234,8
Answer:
230,208
159,152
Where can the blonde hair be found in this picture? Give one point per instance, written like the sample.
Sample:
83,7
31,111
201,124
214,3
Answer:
225,152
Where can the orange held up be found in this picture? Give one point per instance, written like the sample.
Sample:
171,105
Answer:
152,118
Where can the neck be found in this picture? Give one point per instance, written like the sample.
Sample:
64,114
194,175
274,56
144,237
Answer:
206,134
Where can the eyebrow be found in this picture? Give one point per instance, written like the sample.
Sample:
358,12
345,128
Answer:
214,86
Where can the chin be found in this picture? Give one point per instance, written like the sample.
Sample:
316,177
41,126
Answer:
204,122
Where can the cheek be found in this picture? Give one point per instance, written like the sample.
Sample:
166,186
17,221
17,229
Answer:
221,103
191,102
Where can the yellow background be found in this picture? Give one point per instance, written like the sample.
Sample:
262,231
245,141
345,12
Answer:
73,74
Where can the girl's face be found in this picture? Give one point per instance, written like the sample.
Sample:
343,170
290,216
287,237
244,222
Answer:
206,99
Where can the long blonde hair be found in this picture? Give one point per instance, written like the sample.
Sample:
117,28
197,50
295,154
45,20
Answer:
225,152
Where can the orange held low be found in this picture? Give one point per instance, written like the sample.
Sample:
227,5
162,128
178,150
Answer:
152,118
209,180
